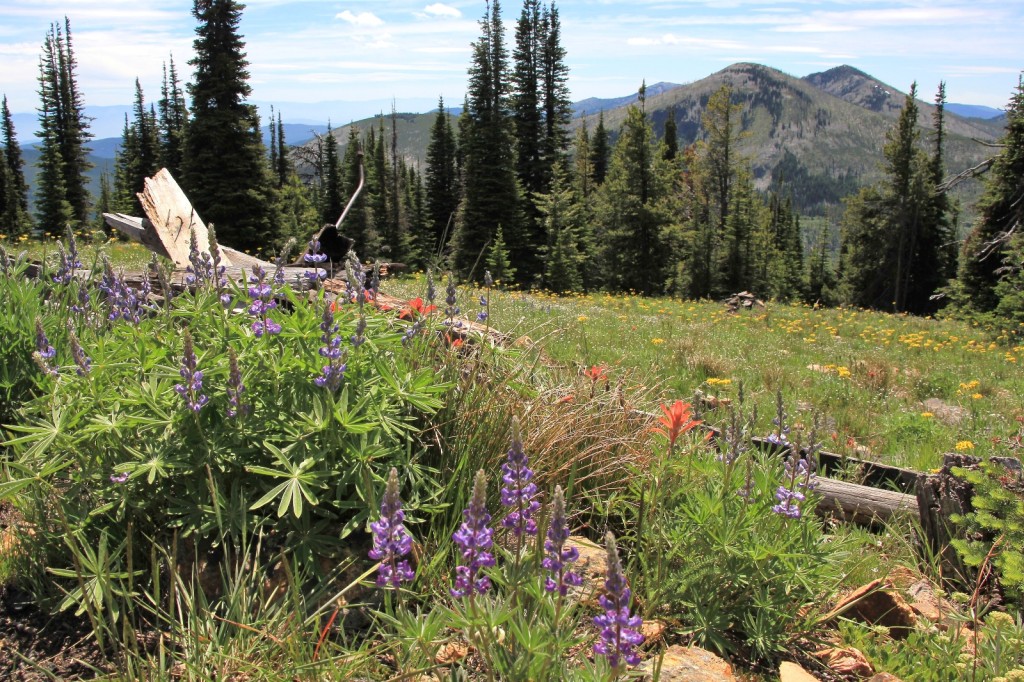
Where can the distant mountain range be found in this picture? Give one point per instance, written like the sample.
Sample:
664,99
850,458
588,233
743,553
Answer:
821,134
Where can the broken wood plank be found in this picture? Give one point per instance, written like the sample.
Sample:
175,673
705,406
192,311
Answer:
173,218
138,230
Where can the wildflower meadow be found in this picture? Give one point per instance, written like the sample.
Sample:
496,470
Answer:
259,479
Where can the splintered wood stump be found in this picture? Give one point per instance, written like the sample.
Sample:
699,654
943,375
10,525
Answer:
173,218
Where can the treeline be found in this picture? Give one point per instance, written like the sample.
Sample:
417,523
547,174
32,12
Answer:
508,189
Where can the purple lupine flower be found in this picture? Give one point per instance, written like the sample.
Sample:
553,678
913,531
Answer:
82,304
69,261
261,302
82,361
191,390
281,261
474,539
236,408
391,541
619,636
200,270
431,289
313,257
519,491
360,336
450,299
218,270
356,279
332,373
43,347
798,474
375,279
119,478
556,555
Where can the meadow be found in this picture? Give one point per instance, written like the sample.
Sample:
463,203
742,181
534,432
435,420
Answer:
245,482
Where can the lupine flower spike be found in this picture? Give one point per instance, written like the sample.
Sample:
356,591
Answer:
391,541
236,408
557,556
332,373
82,361
44,352
191,389
313,258
519,492
619,636
261,296
475,540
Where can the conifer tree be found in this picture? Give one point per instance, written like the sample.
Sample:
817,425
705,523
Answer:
442,184
556,101
139,155
62,124
989,274
629,216
490,191
173,120
14,215
226,173
599,146
671,139
498,260
284,168
332,192
562,258
273,147
893,233
582,170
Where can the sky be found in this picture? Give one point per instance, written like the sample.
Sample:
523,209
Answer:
361,50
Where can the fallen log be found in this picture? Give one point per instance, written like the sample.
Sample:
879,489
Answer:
860,503
173,218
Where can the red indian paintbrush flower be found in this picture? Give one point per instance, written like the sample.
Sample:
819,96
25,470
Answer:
597,373
678,419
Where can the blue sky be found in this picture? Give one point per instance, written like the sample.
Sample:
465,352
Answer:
309,51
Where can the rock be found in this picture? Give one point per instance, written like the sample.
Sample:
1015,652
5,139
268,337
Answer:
791,672
451,652
591,565
653,631
950,415
876,604
885,677
846,661
687,664
929,605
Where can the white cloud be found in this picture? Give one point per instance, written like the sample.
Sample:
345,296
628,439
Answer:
362,20
439,9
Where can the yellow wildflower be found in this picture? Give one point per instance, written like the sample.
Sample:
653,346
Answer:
657,342
927,415
964,446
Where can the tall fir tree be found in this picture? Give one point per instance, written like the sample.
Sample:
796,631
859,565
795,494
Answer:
490,191
284,168
563,261
226,173
332,191
671,139
138,158
173,120
62,123
599,147
893,233
358,225
556,100
629,213
14,214
989,279
442,182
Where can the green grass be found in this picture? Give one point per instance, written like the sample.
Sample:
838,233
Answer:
865,374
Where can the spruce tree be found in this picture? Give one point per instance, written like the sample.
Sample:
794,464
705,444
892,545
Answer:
284,168
332,191
14,214
226,174
442,184
992,251
556,101
893,233
671,138
173,120
62,123
562,258
629,216
599,146
490,191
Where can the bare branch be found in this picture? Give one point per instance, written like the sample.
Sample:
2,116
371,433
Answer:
974,172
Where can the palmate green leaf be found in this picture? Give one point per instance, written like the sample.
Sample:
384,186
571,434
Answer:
353,420
40,434
293,492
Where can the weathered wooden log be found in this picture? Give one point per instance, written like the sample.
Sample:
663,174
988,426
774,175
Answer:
939,496
860,503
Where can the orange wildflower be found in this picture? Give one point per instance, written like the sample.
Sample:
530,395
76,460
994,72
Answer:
597,373
678,419
415,308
